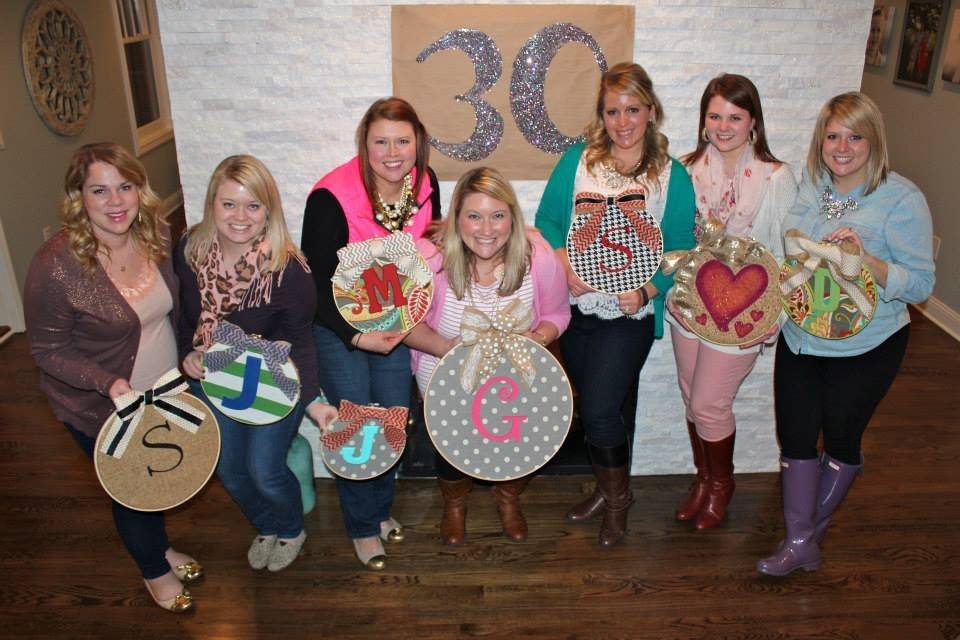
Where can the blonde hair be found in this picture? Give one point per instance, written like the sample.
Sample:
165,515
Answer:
860,114
458,259
253,175
630,79
147,226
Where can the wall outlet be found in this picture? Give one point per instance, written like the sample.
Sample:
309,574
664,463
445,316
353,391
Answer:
936,246
47,231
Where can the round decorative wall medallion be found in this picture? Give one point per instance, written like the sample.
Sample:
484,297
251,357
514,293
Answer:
58,66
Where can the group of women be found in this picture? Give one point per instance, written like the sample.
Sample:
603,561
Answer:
111,306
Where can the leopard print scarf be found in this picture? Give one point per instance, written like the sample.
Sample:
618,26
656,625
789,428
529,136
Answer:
224,290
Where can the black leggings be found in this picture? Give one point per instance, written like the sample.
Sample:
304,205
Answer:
837,395
143,532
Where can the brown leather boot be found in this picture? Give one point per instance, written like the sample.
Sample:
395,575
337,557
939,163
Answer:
693,501
507,495
587,509
719,460
614,484
453,522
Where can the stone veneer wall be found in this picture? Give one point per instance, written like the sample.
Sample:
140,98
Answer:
287,80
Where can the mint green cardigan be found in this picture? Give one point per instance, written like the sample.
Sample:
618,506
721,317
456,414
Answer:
556,210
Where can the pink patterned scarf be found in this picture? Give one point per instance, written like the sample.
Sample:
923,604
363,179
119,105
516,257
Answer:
736,201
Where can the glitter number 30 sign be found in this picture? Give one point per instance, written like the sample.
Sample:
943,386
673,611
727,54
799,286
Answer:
514,119
526,88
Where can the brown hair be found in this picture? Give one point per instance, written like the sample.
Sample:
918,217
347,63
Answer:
396,110
146,228
740,91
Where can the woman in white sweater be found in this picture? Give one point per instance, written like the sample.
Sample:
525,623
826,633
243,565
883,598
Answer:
739,182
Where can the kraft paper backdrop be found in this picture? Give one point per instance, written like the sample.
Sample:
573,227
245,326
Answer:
571,82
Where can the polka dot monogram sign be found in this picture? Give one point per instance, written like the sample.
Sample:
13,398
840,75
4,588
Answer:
159,448
725,289
826,288
366,441
250,379
498,405
382,284
614,245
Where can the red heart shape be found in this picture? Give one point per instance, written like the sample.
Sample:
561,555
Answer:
743,328
756,314
725,295
702,318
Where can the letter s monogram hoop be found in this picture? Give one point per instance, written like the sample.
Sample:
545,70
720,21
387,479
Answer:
507,426
159,448
614,244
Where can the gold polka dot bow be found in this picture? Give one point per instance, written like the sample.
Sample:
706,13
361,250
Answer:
492,339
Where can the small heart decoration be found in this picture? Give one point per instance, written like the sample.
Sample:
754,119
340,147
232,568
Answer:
756,314
742,328
702,319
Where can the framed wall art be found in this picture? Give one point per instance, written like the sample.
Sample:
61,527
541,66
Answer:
920,43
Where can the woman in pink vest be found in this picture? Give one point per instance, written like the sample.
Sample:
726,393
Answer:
387,187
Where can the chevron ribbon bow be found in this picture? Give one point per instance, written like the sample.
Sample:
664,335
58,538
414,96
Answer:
595,205
393,419
843,261
713,243
490,339
398,248
274,355
162,397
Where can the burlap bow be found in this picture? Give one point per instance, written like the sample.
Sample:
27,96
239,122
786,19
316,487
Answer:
274,354
398,248
713,243
490,339
595,205
393,419
844,264
131,405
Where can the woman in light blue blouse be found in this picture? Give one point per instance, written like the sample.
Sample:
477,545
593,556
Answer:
848,193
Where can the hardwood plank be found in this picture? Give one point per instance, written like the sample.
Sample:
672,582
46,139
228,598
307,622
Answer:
891,567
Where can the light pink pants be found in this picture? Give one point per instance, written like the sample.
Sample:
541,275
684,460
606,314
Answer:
709,381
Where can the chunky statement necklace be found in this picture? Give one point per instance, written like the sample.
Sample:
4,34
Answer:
835,208
394,217
613,179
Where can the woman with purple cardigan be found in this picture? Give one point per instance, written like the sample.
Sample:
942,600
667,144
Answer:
486,259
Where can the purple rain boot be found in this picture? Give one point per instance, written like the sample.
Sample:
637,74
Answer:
799,550
836,478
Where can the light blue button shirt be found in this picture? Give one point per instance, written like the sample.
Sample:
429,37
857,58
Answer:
894,225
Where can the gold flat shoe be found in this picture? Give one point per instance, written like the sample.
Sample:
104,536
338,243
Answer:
179,603
188,572
391,531
376,561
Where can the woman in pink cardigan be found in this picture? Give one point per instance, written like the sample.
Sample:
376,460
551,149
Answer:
486,258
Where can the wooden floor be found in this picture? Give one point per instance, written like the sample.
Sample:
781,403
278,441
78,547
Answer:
891,559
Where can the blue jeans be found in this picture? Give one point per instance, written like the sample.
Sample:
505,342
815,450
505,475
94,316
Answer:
253,469
143,533
603,358
363,377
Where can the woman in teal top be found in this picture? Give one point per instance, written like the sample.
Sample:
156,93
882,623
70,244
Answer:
610,336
